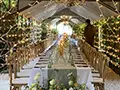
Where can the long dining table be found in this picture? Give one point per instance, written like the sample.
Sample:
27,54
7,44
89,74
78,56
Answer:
80,69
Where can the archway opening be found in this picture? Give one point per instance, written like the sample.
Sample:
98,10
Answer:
64,28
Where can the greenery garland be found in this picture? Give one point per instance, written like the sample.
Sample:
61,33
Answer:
110,36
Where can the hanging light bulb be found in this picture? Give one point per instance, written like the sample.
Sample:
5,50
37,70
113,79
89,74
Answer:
0,1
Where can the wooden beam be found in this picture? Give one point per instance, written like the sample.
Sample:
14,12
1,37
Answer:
28,6
66,11
107,6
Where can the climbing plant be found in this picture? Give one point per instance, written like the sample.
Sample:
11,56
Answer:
43,30
110,37
79,29
107,37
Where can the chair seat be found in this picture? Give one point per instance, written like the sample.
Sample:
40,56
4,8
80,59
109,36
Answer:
95,75
42,62
94,71
97,80
28,67
23,74
20,81
40,66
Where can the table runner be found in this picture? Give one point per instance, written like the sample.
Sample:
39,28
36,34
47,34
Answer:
83,76
61,74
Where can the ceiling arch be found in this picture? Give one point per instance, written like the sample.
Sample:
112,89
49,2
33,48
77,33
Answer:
51,10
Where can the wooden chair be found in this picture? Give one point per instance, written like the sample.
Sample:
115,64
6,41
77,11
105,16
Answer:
17,60
97,62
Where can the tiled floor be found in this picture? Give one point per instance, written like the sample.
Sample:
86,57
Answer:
4,85
112,81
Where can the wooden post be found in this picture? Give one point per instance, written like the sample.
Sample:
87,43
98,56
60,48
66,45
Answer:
22,58
28,55
18,65
10,73
18,59
15,66
8,60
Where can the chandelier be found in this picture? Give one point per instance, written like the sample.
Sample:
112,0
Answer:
70,2
65,18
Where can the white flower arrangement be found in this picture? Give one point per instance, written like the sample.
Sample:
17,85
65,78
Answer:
54,85
37,76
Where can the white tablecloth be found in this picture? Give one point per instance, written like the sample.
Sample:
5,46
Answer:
84,76
43,77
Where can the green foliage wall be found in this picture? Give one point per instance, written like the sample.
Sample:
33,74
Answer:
109,38
79,29
43,31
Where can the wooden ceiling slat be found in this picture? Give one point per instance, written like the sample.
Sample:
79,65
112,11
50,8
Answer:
108,6
49,0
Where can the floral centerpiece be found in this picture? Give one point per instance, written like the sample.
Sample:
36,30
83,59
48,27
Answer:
62,44
56,85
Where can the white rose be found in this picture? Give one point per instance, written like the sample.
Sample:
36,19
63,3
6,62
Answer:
37,76
52,82
71,88
34,89
70,82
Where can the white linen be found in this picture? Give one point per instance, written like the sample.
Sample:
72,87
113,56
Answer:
43,76
84,76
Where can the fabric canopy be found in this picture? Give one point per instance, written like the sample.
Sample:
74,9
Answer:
47,9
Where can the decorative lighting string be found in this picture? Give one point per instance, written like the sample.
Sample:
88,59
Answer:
116,36
8,12
115,5
11,49
102,15
11,27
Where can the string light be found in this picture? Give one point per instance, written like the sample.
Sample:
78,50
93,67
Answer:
113,39
11,27
115,5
